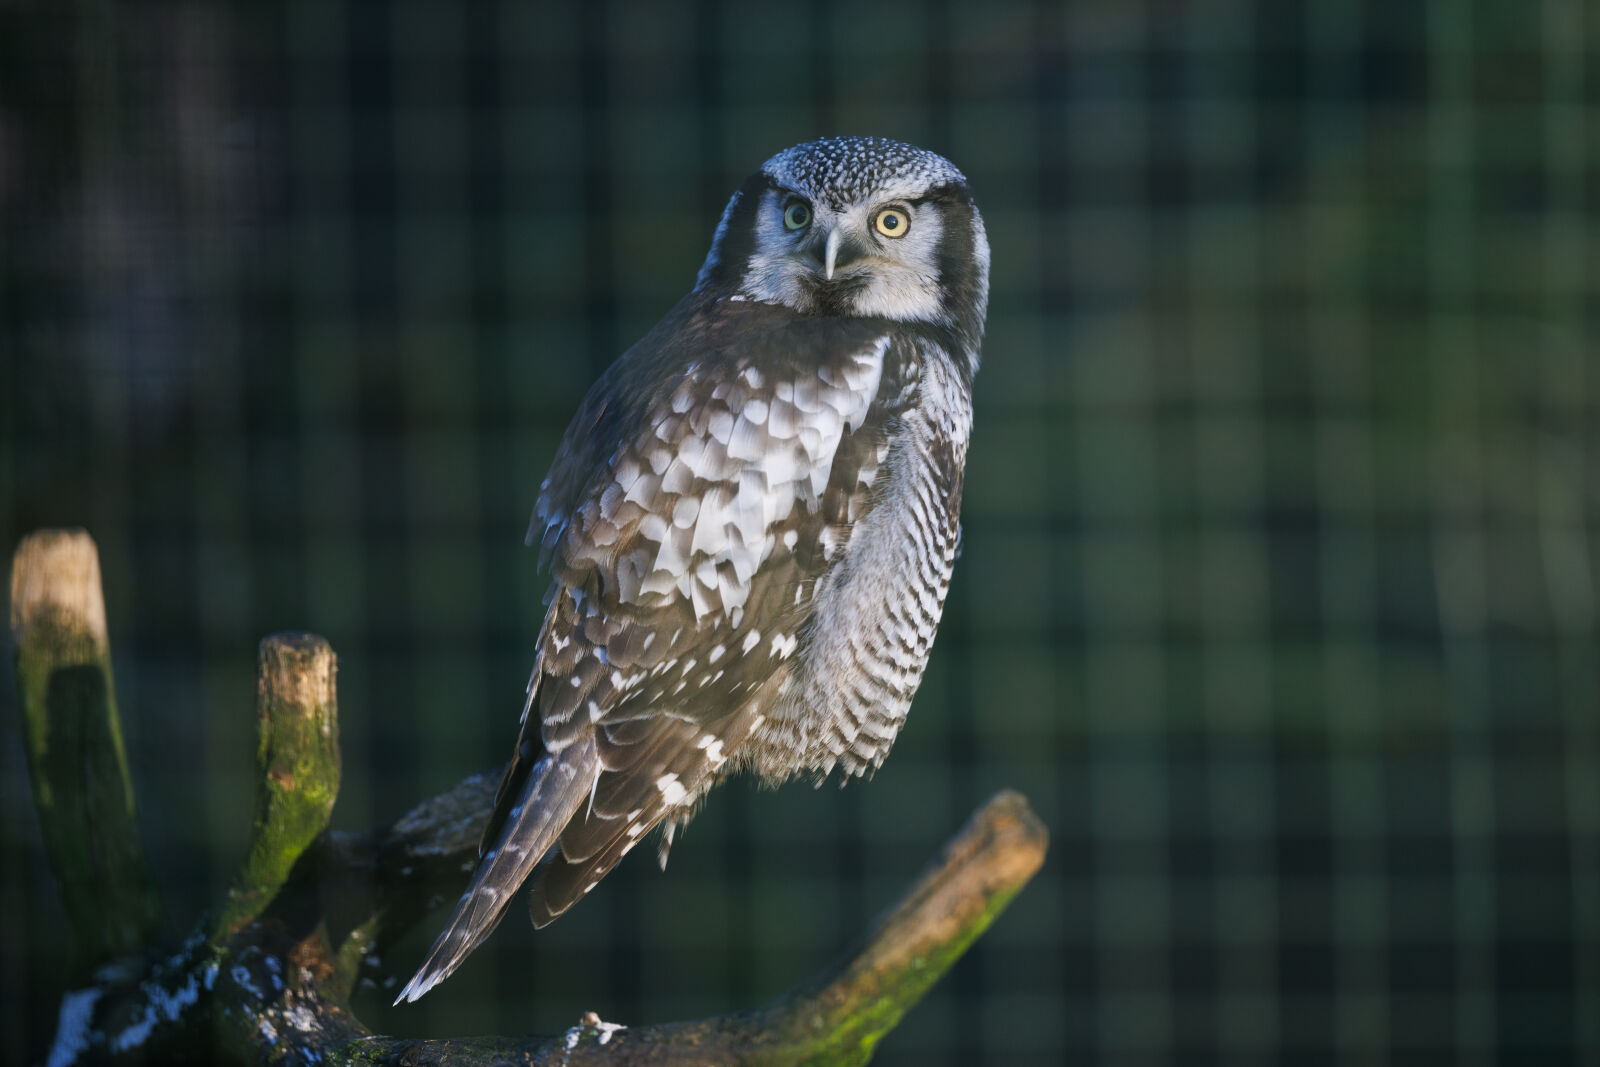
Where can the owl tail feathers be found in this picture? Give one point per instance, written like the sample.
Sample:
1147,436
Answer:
552,795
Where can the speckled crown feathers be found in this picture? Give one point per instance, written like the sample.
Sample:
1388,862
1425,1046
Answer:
848,168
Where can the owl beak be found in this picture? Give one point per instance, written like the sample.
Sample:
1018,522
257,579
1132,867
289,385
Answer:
839,251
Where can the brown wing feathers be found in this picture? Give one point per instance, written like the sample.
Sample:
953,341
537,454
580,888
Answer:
554,791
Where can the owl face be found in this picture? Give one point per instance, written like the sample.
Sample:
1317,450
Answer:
856,226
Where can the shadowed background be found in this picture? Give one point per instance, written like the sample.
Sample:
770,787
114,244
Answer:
1282,512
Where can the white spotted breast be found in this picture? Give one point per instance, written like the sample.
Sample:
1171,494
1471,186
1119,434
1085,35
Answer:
877,609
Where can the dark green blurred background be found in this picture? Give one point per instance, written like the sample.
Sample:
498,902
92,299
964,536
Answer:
1279,590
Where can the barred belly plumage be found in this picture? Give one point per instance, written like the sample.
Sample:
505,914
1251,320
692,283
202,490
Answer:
877,612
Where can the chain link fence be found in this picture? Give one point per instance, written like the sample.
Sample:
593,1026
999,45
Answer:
1282,513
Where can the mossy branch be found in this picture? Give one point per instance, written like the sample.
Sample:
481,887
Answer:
297,763
837,1018
268,979
73,737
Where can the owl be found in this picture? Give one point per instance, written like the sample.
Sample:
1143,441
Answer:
750,523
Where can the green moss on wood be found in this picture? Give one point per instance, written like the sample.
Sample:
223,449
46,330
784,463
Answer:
76,760
878,1005
912,946
297,762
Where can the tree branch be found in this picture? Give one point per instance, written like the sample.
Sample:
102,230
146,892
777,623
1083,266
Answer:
268,979
839,1016
73,738
297,759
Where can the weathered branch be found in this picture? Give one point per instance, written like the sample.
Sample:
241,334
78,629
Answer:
269,978
74,743
297,759
975,876
838,1017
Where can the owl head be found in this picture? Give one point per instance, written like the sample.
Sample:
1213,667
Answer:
861,227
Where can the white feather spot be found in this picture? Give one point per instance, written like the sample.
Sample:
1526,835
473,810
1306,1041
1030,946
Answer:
712,746
683,397
653,527
783,421
832,541
678,479
671,791
684,512
747,441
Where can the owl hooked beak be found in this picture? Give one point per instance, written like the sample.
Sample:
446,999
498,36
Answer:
839,251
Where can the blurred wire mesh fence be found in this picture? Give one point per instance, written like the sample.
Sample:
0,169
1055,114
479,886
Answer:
1278,593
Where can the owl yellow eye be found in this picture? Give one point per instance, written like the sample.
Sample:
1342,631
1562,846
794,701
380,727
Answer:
797,216
892,222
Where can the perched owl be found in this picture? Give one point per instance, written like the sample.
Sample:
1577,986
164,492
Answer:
750,523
